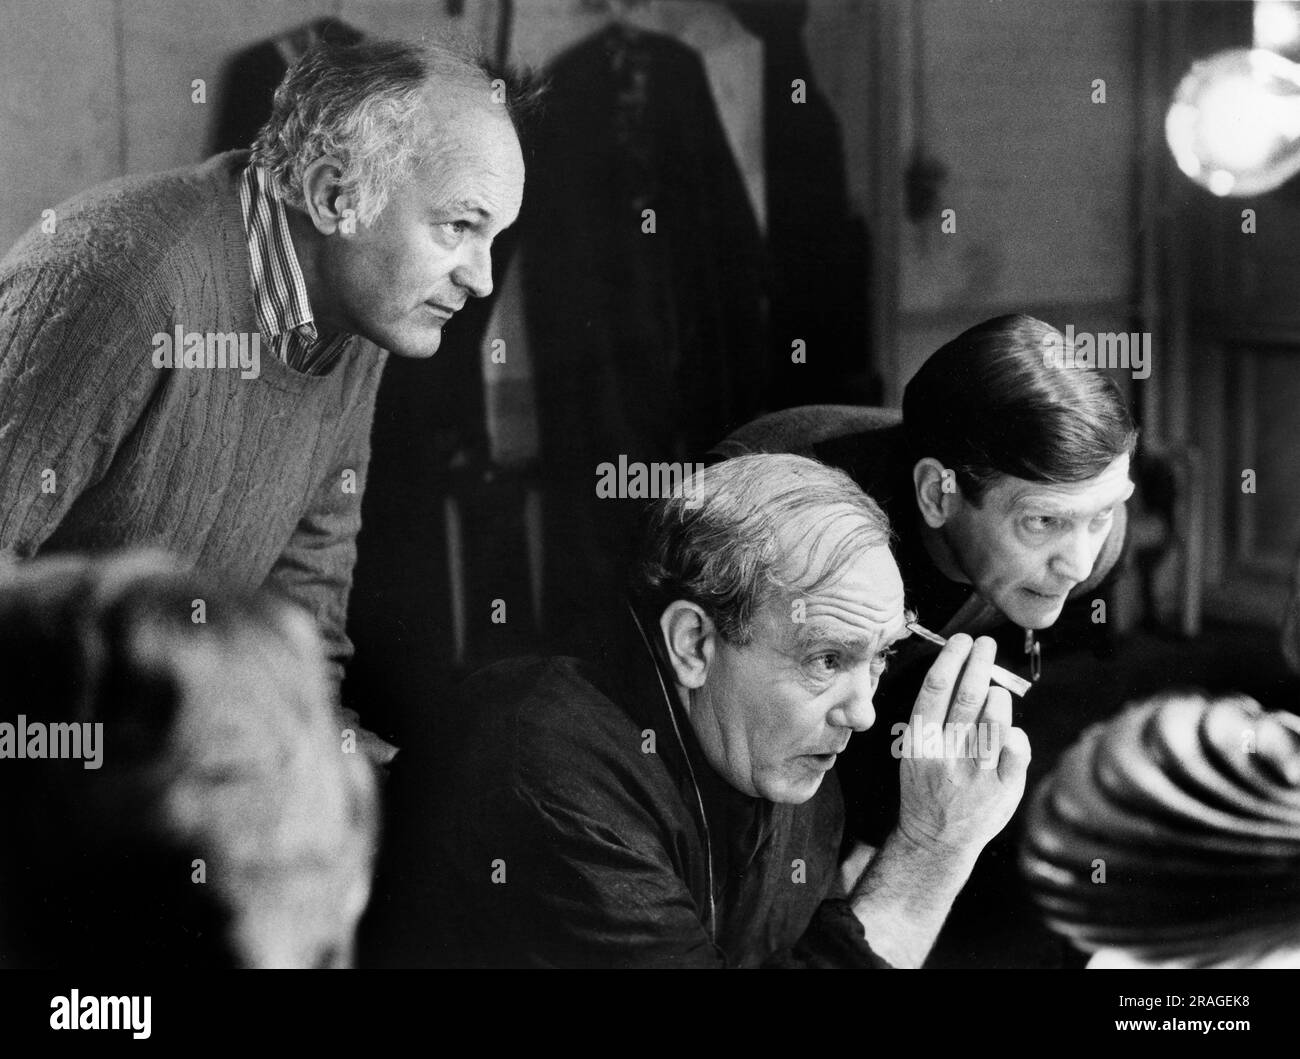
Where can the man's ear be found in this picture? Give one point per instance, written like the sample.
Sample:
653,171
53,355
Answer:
937,492
690,641
330,208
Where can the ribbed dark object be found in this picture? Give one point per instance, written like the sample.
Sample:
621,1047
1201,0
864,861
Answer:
1192,808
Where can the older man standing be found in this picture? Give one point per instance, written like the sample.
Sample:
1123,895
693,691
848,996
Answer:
189,360
673,804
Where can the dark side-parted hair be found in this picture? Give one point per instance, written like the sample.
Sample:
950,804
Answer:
990,403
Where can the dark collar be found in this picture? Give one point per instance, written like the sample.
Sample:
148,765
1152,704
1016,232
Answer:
633,673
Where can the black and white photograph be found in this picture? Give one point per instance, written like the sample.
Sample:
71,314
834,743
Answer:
492,486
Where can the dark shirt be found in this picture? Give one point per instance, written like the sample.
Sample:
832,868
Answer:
571,823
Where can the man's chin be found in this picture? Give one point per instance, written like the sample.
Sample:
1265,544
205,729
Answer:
415,352
419,346
792,791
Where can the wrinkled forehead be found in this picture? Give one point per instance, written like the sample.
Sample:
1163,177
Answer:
838,564
1110,487
465,118
471,153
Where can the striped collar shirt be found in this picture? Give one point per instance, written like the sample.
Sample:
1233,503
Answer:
279,293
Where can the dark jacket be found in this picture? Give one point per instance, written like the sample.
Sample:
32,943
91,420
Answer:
644,343
562,826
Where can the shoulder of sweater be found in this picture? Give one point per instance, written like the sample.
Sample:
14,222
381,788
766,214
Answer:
359,374
121,234
372,358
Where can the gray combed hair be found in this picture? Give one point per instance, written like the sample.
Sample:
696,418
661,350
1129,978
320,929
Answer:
360,103
722,542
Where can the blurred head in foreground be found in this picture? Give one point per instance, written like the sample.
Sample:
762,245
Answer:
174,790
1170,836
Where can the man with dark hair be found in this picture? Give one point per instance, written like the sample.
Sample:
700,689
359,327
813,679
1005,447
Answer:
670,802
1004,478
189,360
1018,468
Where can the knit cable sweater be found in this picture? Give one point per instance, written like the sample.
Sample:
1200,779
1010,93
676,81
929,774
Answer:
100,449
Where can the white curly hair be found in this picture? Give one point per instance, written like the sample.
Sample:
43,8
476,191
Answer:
361,104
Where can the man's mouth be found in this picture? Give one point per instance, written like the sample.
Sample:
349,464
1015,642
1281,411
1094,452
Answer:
442,310
1053,597
829,756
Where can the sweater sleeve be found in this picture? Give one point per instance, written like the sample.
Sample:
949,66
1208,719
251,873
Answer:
76,376
315,567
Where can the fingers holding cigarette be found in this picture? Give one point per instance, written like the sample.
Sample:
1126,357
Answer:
1002,677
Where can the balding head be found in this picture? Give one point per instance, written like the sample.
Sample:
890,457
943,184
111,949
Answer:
399,164
381,109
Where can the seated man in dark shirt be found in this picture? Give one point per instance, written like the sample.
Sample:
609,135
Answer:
671,801
1004,478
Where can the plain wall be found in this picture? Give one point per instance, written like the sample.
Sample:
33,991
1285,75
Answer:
1040,177
95,89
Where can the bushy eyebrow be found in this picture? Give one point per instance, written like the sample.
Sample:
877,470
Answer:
467,206
1054,508
819,633
1062,508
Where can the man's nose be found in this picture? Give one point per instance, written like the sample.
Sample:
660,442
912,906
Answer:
856,710
1073,561
474,273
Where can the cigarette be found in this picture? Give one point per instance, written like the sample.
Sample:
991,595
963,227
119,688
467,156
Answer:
1002,677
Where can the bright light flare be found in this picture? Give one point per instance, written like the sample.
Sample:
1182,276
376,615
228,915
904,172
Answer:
1277,26
1234,125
